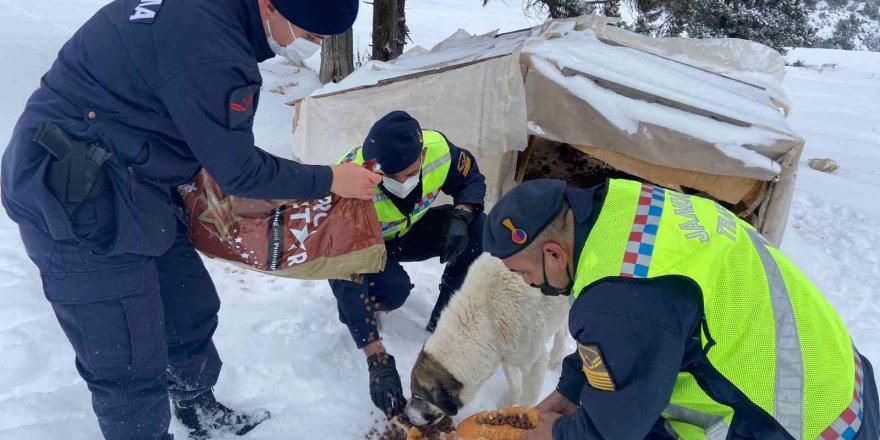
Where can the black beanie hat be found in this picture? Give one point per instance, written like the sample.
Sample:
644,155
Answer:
322,17
395,141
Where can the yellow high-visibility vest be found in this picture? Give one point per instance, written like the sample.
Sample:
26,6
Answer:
777,338
435,169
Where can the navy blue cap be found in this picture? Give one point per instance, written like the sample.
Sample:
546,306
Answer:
521,215
324,17
395,141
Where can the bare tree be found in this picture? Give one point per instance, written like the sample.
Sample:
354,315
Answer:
389,38
389,29
337,57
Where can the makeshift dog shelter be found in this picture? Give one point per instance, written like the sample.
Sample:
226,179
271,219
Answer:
701,116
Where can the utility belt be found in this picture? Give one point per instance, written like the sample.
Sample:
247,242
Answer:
76,173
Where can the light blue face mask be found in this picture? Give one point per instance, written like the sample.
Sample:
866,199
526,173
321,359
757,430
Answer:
299,50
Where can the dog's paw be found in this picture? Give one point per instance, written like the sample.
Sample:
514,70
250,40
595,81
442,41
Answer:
505,401
555,364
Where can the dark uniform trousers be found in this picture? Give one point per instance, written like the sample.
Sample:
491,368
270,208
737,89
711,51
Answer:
392,287
141,326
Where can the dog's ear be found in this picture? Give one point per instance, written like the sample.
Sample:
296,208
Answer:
447,402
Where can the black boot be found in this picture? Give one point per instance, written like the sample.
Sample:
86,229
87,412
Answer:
445,295
204,416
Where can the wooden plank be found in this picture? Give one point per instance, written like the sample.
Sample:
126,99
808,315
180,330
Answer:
434,71
523,159
619,44
726,188
633,93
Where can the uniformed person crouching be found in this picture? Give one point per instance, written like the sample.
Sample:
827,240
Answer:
141,97
689,325
417,165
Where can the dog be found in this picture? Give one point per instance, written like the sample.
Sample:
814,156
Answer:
494,319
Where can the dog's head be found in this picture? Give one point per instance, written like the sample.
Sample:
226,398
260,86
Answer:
435,392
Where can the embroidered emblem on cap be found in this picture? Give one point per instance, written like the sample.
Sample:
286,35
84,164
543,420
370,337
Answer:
517,235
595,368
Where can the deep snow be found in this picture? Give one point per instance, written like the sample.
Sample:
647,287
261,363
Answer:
282,345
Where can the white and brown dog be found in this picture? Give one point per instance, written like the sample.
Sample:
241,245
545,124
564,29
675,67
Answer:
494,319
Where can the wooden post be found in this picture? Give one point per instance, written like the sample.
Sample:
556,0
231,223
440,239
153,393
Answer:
523,160
337,57
389,29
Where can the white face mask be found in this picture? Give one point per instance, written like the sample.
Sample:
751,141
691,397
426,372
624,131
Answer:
299,50
401,189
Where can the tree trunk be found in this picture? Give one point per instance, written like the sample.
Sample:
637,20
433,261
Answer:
337,57
389,29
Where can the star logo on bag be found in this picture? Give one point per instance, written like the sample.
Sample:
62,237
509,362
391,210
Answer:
219,213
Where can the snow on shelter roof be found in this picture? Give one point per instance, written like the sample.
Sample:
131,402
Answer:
711,106
458,49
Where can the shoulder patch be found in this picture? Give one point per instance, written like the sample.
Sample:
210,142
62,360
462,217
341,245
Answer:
145,11
242,104
464,163
595,368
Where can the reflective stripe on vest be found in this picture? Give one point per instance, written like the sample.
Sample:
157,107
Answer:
645,231
789,365
713,426
435,169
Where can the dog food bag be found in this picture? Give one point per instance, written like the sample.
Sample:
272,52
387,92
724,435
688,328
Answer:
329,238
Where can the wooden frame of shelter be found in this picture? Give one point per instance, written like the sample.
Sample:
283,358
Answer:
506,96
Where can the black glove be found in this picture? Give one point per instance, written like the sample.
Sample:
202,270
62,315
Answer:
385,388
455,234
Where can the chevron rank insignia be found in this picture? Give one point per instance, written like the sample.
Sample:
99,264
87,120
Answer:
464,164
598,374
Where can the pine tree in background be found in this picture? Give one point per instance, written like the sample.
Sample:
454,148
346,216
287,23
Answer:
662,18
780,24
775,23
845,34
560,8
872,11
569,8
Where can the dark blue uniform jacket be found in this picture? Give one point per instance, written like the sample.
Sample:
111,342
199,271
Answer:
649,330
167,87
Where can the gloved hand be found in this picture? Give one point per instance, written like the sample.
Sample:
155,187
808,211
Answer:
385,388
455,234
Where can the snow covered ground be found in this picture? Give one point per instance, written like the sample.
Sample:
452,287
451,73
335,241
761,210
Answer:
281,342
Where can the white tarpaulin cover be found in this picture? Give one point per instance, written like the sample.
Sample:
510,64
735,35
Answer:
714,107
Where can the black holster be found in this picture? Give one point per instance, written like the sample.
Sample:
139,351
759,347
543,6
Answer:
76,173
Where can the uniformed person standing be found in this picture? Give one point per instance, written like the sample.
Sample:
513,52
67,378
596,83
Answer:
417,165
141,97
689,325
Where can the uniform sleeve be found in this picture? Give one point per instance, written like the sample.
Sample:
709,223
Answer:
572,379
465,183
212,105
639,329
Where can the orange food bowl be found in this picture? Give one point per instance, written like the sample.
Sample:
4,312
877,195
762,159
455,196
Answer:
491,425
415,433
